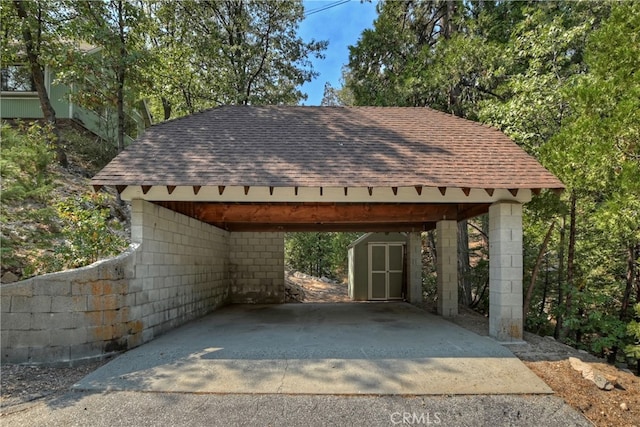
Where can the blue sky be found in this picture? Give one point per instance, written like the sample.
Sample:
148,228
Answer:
341,26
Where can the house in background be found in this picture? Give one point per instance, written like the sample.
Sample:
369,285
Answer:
19,100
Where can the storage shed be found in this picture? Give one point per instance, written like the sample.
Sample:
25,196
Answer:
377,268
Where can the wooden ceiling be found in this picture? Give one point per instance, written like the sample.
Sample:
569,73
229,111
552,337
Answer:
325,216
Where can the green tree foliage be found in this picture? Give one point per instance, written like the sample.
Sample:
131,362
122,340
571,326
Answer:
318,253
441,54
108,70
228,52
30,38
597,154
87,231
182,56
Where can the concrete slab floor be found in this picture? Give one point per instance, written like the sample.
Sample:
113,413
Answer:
352,349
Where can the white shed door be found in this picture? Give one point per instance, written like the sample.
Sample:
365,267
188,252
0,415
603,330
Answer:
386,263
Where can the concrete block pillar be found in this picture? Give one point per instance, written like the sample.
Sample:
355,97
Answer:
414,268
447,267
505,271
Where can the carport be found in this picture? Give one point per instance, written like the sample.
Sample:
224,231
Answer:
213,193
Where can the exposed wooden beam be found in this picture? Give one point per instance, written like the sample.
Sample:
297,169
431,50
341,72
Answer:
346,190
466,191
120,188
256,227
295,191
145,188
370,190
443,190
271,191
536,191
467,211
196,189
312,213
221,189
489,191
418,189
170,188
97,188
513,191
246,189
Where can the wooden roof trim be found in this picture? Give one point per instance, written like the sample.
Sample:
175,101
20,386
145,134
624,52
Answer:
370,194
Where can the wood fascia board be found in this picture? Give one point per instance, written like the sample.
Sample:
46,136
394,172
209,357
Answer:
270,194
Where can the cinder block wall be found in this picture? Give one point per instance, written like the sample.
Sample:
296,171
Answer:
181,272
177,271
69,316
256,267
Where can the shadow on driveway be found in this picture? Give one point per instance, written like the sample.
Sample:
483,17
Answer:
354,349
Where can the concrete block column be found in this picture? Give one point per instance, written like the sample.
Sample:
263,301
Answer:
505,271
414,267
447,267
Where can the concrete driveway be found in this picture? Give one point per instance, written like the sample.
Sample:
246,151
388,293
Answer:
347,349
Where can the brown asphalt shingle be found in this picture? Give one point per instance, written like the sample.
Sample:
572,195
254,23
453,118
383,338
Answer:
325,146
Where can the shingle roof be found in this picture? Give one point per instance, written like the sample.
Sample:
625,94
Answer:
284,146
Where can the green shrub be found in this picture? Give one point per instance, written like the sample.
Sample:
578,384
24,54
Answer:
632,351
88,231
26,156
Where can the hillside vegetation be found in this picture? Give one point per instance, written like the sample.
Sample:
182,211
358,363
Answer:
51,218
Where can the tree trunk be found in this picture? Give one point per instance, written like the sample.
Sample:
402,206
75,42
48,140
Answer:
121,76
626,297
560,302
431,243
166,108
571,252
637,271
536,268
546,285
464,267
37,73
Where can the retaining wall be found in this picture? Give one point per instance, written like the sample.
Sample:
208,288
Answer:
174,272
71,315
